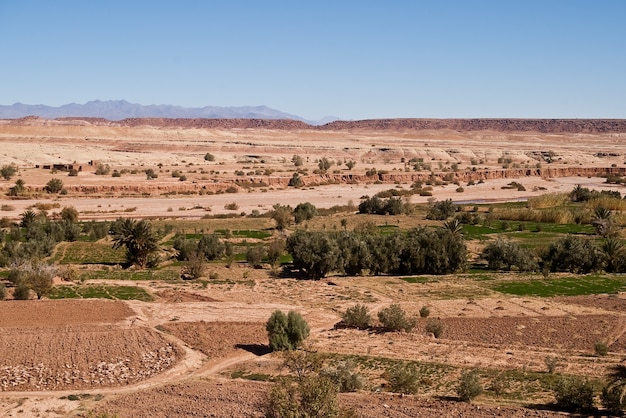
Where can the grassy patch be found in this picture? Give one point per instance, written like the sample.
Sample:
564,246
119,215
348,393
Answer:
419,279
246,233
88,253
100,292
130,275
562,286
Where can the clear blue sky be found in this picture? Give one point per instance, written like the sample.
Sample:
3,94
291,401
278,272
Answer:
356,59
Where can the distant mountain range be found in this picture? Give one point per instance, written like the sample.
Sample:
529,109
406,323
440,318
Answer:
121,109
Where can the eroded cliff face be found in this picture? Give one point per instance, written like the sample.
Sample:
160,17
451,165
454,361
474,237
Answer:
240,184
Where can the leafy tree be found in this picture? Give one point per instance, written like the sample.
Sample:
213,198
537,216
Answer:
137,237
254,256
504,254
354,255
385,252
286,332
573,254
54,185
433,251
275,250
282,215
441,210
375,205
8,171
393,318
314,253
304,212
210,247
40,281
350,164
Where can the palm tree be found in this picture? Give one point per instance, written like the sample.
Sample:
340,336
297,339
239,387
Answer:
614,394
138,238
613,248
602,221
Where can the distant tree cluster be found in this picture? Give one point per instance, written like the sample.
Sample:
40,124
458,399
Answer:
570,253
419,251
378,206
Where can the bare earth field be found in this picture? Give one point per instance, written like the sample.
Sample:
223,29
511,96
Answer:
176,356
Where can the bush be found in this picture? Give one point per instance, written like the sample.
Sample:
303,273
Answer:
295,181
504,254
424,312
195,267
356,316
435,327
601,348
209,157
574,254
312,396
393,318
573,394
54,186
403,379
441,210
344,376
3,291
21,291
8,171
210,247
469,386
304,212
286,332
254,256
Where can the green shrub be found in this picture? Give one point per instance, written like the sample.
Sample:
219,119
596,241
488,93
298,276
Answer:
601,348
441,210
393,318
21,291
312,396
403,379
54,186
286,332
345,377
573,394
469,385
356,316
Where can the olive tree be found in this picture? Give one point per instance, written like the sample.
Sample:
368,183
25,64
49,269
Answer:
286,332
